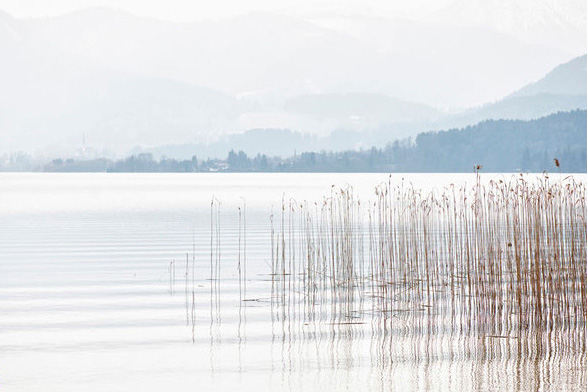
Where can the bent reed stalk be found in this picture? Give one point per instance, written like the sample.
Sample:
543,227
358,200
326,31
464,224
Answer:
494,259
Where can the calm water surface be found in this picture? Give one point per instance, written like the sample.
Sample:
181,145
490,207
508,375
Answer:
105,285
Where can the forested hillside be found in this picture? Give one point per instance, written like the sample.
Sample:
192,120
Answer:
499,146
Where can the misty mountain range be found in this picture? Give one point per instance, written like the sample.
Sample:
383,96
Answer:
114,81
563,89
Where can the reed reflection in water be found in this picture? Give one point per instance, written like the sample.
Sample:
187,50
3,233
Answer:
476,289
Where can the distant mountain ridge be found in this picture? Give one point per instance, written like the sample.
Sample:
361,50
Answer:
566,79
271,56
552,94
360,105
115,81
562,89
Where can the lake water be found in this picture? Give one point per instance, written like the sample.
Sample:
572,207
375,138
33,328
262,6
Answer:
107,283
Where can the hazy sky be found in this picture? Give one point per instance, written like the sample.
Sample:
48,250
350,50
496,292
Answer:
188,10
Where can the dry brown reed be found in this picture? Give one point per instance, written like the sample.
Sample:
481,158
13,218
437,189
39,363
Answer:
496,259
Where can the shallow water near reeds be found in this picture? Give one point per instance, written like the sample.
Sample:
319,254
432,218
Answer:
135,282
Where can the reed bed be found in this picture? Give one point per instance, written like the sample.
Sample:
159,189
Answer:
498,259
